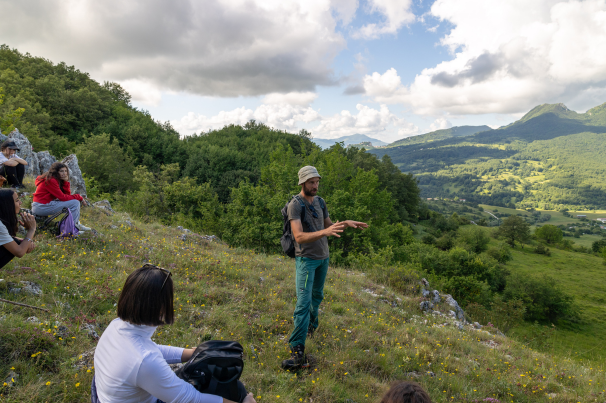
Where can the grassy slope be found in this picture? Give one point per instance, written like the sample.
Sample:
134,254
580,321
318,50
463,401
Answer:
364,343
583,276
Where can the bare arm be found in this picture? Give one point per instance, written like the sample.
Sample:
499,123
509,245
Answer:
19,160
309,237
19,250
11,163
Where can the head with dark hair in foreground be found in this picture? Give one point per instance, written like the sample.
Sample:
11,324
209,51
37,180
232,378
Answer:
147,297
406,392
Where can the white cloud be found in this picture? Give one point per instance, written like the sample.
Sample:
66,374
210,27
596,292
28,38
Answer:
212,47
508,56
142,91
291,117
396,14
291,98
440,124
278,116
367,120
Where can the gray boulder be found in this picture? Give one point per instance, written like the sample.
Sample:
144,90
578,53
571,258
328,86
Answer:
26,152
104,205
75,175
45,160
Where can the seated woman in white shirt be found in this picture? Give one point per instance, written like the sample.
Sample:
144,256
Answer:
129,366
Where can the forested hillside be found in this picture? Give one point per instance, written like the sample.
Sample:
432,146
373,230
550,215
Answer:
458,131
540,161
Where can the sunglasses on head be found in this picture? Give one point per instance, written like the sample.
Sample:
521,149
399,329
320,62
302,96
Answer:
168,273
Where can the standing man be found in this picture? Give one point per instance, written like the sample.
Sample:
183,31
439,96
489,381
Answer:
311,251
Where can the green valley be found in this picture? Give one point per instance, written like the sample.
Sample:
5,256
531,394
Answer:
552,158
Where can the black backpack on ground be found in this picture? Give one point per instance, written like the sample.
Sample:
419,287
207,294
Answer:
288,240
214,368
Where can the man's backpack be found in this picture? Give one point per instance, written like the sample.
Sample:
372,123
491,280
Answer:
214,368
288,240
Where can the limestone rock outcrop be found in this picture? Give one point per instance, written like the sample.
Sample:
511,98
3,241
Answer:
45,160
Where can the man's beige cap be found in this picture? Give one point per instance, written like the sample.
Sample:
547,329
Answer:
307,172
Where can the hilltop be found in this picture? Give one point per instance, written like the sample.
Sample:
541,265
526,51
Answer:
372,331
349,140
539,161
457,131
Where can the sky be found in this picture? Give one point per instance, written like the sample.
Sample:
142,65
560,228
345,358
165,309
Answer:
385,68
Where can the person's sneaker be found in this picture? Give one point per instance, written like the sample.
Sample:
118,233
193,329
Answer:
298,359
82,227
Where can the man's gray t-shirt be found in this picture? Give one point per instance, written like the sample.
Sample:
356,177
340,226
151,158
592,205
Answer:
5,237
317,250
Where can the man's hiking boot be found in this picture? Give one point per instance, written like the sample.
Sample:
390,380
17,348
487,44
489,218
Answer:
298,359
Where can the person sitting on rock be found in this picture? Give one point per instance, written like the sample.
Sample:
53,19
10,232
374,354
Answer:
12,167
129,366
10,216
53,194
406,392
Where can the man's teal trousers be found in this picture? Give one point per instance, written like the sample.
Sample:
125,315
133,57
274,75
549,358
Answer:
310,278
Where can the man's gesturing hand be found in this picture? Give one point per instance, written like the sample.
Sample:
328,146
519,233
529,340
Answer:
356,224
335,229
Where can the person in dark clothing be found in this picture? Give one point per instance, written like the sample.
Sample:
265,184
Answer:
12,167
10,217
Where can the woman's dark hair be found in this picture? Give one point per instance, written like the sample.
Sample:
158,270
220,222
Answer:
7,211
147,297
53,172
406,392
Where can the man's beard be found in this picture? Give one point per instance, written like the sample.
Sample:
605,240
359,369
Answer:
309,192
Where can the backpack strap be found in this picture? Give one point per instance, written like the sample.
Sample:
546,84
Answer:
323,206
303,207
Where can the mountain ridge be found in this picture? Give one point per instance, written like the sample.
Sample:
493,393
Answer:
348,140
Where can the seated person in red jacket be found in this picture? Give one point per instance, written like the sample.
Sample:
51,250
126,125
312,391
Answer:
53,194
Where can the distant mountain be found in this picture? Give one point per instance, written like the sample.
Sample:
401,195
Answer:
551,158
457,131
354,139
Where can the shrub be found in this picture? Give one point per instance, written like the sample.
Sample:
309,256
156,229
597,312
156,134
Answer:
501,253
542,250
475,238
428,239
543,298
467,290
505,315
445,242
549,233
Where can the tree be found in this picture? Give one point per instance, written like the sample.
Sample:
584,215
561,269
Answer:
549,233
474,237
104,160
514,229
9,118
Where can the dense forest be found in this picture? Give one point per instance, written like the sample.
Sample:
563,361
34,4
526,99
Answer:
540,161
